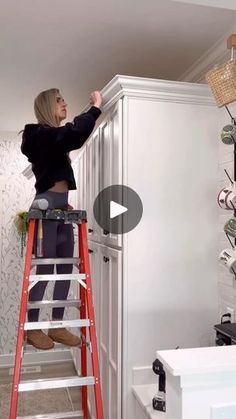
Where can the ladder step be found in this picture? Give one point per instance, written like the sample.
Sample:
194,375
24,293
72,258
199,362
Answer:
43,384
54,261
56,324
57,277
54,303
29,349
62,415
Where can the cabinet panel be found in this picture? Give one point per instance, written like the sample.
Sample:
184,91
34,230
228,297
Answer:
92,183
103,168
95,258
110,344
115,305
95,261
116,144
107,289
82,202
110,150
105,304
88,181
105,156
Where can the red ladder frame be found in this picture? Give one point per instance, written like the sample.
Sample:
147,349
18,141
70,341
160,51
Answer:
86,308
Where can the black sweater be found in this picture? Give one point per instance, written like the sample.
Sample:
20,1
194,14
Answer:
47,148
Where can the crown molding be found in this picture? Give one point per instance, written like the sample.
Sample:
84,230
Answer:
155,89
216,55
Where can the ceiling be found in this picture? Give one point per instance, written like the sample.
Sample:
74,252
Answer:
79,46
225,4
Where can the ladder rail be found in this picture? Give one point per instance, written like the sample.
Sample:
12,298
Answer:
83,359
22,316
85,320
85,267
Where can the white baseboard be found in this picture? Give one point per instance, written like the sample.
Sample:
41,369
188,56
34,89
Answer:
7,360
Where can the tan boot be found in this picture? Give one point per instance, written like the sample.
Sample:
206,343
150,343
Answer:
63,336
39,339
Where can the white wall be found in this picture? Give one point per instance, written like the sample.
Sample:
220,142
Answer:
16,192
226,281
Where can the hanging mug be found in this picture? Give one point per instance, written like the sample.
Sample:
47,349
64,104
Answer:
227,197
230,227
228,134
228,258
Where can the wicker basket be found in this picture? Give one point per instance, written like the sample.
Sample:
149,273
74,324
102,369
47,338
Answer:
222,81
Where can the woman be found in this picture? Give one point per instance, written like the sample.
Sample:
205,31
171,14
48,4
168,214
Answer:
47,146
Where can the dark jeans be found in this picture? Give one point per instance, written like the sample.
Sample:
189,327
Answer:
58,241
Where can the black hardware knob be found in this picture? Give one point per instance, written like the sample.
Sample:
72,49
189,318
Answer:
90,251
105,232
90,230
105,259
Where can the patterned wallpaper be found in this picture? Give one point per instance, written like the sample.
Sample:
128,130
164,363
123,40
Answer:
16,193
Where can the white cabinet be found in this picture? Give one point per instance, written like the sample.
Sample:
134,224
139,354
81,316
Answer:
110,331
95,262
107,293
200,382
158,138
92,183
111,147
104,168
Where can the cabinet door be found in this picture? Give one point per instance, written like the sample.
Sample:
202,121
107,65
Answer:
107,288
92,181
82,201
95,260
110,331
88,181
111,160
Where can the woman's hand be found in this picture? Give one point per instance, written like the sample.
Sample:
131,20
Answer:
96,99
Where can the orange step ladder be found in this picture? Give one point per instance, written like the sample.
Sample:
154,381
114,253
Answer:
85,321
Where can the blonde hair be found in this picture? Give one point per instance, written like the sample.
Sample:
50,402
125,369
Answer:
44,108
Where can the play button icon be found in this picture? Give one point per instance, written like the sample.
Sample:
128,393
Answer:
118,209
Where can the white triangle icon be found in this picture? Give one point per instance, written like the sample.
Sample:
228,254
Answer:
116,209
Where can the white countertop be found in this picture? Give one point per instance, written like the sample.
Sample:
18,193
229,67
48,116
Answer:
199,360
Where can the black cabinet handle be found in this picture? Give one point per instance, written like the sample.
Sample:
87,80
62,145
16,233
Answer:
90,251
90,230
105,259
105,232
